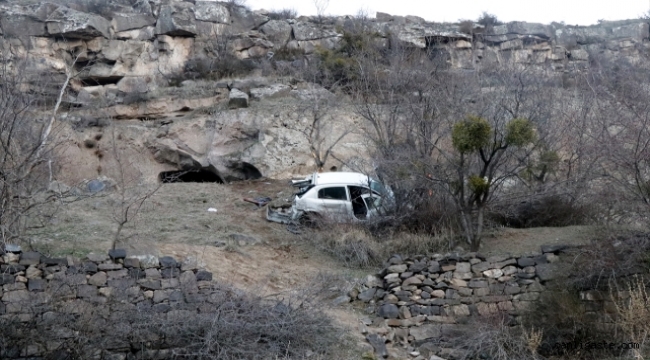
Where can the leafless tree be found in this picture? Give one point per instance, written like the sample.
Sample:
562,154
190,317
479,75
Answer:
319,128
131,193
624,122
27,141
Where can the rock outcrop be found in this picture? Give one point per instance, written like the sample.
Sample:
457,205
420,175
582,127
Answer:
133,57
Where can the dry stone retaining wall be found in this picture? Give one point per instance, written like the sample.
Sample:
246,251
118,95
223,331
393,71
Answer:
37,289
425,298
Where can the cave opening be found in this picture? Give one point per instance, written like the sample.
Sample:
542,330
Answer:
249,171
202,175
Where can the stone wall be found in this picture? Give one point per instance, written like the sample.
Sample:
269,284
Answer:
426,298
114,291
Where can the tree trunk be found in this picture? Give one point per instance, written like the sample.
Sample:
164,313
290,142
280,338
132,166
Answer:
478,234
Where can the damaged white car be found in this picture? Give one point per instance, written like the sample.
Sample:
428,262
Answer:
338,196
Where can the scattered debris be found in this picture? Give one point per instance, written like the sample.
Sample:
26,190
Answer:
294,229
259,201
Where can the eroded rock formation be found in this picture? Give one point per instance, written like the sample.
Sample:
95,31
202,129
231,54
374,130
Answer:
133,61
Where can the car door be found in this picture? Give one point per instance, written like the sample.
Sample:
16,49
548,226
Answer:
333,201
373,203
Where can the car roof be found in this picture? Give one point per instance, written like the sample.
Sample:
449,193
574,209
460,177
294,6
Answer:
348,178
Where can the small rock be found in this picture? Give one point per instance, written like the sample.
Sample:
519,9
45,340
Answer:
344,299
147,261
397,268
106,291
493,273
33,272
168,262
98,258
116,254
237,99
36,284
131,263
379,344
367,294
388,311
190,263
30,258
99,279
203,275
11,248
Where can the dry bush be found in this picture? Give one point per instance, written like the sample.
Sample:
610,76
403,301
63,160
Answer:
288,54
564,328
495,339
284,14
466,27
614,255
231,325
550,210
633,315
356,246
226,65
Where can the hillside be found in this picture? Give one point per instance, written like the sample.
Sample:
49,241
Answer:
517,154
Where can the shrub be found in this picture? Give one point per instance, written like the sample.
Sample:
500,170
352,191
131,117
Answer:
226,65
549,210
494,338
488,20
231,325
466,27
356,247
288,54
284,14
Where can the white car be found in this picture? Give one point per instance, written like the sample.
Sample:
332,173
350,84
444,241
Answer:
338,196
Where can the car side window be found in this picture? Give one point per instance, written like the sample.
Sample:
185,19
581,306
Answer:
333,193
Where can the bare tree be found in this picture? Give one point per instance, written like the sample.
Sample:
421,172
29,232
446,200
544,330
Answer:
621,127
319,129
321,7
131,193
27,147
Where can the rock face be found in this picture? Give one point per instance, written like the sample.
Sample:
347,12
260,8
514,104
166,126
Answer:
131,53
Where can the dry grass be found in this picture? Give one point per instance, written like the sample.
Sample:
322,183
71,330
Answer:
355,246
177,213
633,315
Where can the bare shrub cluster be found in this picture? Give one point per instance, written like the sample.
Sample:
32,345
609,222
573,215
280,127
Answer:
230,325
284,14
357,246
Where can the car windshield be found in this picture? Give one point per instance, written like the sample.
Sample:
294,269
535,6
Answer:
377,187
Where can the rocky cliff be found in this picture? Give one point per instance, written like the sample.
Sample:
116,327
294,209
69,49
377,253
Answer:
140,62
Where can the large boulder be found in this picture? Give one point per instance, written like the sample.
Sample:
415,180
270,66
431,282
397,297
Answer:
304,30
211,11
278,32
638,31
124,22
525,28
25,21
243,19
73,24
176,19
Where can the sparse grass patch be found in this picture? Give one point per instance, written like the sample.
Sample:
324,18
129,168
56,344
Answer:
356,247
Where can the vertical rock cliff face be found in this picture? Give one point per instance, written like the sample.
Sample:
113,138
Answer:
131,57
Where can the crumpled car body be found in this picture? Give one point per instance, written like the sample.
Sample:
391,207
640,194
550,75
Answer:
338,196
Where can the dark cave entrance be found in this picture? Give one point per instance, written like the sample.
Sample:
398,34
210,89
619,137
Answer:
249,171
202,175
